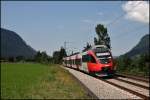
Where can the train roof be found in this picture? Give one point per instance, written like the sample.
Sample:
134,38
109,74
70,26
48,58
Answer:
84,52
74,54
96,46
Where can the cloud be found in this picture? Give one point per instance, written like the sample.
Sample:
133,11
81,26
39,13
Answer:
137,11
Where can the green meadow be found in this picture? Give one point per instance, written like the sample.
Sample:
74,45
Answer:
38,81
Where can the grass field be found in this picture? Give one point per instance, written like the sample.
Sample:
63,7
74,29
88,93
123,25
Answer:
37,81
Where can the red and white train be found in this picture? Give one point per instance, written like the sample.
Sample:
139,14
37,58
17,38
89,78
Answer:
97,60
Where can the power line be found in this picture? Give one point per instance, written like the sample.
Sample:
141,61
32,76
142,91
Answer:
65,46
119,17
132,30
71,49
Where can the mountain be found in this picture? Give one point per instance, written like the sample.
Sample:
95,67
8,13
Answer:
12,45
141,48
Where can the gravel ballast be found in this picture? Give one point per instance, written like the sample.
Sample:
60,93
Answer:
100,88
130,86
135,81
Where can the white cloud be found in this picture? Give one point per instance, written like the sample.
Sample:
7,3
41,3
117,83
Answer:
137,11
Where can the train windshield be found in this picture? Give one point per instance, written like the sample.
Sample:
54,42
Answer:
103,54
101,49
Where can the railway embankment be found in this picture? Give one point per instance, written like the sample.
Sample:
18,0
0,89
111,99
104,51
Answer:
103,89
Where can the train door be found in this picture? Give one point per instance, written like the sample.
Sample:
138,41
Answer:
79,61
85,59
93,66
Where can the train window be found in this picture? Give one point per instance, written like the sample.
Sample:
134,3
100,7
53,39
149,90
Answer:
78,61
101,49
88,58
71,62
85,58
92,59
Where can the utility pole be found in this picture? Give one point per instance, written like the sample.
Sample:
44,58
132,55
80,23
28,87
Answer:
71,50
65,46
65,43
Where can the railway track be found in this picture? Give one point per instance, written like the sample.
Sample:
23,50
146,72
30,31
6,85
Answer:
132,85
143,79
135,91
141,85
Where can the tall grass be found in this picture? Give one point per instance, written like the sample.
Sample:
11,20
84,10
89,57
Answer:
37,81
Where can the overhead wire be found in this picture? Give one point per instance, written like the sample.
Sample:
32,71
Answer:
131,30
119,17
127,31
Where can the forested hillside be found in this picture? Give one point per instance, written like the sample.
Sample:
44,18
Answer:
141,48
12,45
137,60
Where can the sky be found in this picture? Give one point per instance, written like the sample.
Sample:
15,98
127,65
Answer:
46,25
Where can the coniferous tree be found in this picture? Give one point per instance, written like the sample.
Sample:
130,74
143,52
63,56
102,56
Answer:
103,38
58,55
88,46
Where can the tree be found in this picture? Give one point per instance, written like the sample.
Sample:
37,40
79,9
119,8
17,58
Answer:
63,52
103,38
87,47
42,57
11,59
20,58
95,41
37,57
123,63
58,55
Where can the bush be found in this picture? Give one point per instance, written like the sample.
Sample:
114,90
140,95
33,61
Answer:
136,66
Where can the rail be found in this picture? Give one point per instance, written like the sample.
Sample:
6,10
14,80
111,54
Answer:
119,86
144,79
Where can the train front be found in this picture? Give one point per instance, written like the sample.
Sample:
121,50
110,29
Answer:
104,61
